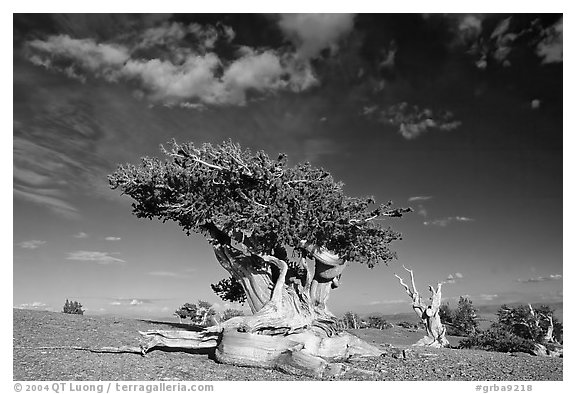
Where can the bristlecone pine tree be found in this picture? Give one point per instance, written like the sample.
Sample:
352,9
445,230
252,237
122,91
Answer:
283,234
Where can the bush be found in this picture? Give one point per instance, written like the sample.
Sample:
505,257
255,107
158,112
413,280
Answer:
73,308
498,339
377,322
408,325
230,313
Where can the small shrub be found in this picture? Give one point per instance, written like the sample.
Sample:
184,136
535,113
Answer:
408,325
73,308
377,322
202,314
230,313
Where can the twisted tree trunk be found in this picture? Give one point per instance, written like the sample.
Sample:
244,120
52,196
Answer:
291,328
428,314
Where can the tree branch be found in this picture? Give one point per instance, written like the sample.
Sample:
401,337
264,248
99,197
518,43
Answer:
281,264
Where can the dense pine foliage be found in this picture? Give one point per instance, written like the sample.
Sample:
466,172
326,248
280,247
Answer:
257,201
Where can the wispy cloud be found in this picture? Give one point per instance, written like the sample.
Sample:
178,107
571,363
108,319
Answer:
412,121
419,198
32,244
551,277
55,205
164,273
386,302
487,297
103,258
443,222
113,239
80,235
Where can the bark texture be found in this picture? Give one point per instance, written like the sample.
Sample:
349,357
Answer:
429,314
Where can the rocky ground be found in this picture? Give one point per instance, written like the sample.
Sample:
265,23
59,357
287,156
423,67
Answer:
38,336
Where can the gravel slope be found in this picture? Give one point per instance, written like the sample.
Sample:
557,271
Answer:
34,329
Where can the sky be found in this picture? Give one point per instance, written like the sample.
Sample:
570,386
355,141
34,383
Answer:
459,116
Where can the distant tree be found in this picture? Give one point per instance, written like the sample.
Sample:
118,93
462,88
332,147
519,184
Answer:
73,308
550,323
351,320
446,314
465,318
201,314
538,325
186,311
520,329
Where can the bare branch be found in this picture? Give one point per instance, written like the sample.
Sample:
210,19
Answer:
404,285
411,278
281,264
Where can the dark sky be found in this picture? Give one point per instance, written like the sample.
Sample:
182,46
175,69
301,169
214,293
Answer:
458,116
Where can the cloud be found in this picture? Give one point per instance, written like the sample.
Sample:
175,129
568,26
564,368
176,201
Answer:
452,278
103,258
35,305
131,301
56,205
112,238
385,302
42,174
412,121
419,198
101,59
81,235
494,48
470,26
33,244
164,273
487,297
174,64
552,277
311,33
443,222
550,48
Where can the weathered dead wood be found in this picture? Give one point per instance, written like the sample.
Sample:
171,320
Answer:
309,353
429,314
205,339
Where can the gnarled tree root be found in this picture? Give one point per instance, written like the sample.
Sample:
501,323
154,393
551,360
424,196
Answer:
307,353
